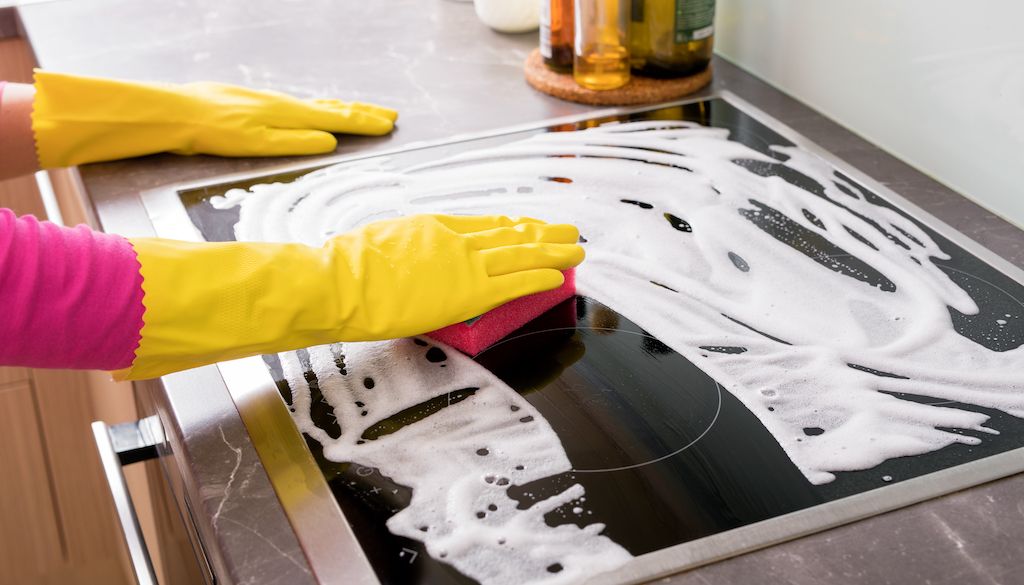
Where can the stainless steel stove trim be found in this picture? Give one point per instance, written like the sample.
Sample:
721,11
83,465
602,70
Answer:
317,520
737,541
327,539
196,410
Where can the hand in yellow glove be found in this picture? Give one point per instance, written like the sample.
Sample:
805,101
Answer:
206,303
78,120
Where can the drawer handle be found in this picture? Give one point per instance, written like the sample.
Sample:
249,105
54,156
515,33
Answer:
120,445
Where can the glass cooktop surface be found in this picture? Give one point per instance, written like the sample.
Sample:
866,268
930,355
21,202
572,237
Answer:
664,445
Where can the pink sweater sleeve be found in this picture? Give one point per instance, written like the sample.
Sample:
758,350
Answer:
69,297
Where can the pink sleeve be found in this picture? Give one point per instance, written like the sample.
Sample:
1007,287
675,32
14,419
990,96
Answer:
69,297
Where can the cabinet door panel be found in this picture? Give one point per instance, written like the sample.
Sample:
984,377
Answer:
10,375
30,539
86,510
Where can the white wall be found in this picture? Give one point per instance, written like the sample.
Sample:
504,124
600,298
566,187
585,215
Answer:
937,83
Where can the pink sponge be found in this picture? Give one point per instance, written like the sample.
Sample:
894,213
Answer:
476,335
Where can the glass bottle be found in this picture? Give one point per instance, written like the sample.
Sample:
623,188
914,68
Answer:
671,38
556,34
601,59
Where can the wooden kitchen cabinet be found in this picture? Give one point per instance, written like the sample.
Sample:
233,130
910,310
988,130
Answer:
58,519
9,376
32,542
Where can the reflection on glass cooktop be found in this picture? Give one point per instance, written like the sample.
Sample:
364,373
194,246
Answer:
666,454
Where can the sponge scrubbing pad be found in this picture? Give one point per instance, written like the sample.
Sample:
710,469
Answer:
474,336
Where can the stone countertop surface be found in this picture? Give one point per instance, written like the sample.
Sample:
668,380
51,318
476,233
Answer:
447,74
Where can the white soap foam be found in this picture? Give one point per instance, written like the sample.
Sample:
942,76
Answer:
725,284
459,461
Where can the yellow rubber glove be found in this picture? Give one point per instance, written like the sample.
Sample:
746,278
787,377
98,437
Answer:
77,120
206,303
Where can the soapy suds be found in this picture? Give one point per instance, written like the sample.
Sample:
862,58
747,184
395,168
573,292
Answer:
813,307
459,438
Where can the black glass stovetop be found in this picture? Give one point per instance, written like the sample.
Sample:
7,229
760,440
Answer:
665,454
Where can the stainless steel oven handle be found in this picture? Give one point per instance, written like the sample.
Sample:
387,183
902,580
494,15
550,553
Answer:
120,445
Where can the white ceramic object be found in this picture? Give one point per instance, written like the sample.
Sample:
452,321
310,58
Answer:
509,16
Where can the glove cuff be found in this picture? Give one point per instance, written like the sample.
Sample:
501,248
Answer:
77,120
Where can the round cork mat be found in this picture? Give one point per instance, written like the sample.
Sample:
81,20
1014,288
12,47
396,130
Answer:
639,90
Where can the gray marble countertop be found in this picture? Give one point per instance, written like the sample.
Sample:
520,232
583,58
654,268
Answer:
447,74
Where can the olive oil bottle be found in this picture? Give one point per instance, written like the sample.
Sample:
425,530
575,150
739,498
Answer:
671,38
601,59
556,34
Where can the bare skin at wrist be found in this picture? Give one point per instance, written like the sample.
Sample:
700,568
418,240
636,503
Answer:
17,142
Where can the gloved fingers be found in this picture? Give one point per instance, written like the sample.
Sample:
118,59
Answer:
376,110
509,259
373,109
348,119
509,287
211,89
278,94
525,233
466,224
270,103
279,142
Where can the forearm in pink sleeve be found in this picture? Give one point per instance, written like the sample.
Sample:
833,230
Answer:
69,297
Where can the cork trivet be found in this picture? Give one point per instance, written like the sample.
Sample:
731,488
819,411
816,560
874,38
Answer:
639,90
